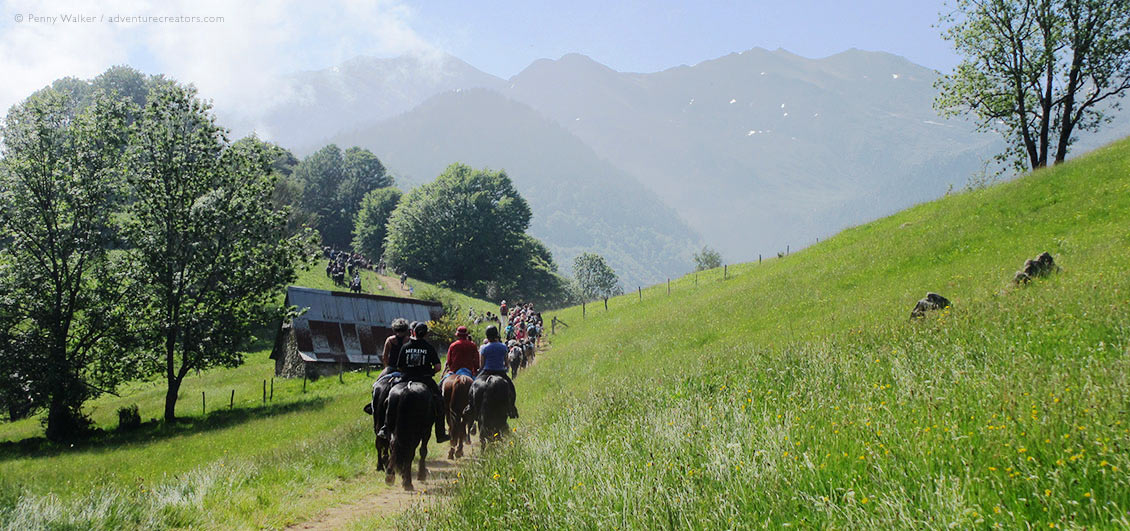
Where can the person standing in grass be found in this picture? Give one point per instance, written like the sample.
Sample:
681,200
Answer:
492,359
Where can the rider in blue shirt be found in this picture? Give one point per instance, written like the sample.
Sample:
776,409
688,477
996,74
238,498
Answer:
492,357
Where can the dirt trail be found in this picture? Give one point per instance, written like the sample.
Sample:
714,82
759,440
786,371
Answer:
392,286
394,500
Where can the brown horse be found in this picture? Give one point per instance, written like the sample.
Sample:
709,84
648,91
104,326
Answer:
456,390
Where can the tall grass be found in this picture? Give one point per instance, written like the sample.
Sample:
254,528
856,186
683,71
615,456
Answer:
249,464
797,392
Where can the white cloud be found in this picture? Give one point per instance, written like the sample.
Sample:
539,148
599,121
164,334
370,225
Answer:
236,62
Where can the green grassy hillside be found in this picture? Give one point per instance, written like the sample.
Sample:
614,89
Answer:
798,392
254,465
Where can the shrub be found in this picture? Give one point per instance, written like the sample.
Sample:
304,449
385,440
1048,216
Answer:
128,417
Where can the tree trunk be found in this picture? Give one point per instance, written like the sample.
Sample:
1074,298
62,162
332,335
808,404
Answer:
171,377
171,400
58,415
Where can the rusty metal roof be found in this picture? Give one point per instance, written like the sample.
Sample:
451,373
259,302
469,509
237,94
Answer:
340,326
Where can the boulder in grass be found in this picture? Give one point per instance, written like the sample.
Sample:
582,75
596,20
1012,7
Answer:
1040,266
931,302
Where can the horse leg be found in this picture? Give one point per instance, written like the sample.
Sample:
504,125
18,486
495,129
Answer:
405,465
423,472
390,468
462,437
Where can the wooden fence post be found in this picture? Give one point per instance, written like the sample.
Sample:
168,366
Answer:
786,250
668,285
640,290
272,389
725,272
606,304
582,309
303,380
231,403
758,258
264,391
340,370
203,403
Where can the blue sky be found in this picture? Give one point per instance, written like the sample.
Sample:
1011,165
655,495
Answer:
236,61
503,37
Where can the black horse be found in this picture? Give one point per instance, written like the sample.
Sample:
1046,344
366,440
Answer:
490,401
377,409
412,405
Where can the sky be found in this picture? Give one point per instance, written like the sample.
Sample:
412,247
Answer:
234,50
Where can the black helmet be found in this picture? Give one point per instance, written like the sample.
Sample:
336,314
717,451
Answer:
492,332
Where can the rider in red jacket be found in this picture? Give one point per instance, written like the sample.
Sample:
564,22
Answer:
462,354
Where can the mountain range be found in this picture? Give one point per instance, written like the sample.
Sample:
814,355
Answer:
752,153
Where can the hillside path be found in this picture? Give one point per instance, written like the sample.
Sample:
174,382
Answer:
393,500
392,286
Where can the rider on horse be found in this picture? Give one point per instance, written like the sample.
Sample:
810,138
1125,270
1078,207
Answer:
462,354
418,361
493,361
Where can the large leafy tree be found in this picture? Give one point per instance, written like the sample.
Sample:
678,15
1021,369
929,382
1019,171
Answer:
210,248
595,278
59,183
458,228
1037,71
371,227
333,186
530,275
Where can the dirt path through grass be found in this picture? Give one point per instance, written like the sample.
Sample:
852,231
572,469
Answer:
392,286
387,502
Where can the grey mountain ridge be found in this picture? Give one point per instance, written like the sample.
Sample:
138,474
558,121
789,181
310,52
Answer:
756,150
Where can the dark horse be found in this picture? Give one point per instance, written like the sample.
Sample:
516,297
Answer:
456,393
377,409
490,401
415,416
515,359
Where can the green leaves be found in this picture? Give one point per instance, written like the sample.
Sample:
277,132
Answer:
372,221
1037,71
61,184
333,186
209,244
595,278
458,228
707,258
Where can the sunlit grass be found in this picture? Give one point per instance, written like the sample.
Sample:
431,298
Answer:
798,392
244,463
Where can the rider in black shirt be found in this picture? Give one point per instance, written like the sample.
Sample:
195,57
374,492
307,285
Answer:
418,361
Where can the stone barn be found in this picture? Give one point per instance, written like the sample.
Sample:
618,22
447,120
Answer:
338,330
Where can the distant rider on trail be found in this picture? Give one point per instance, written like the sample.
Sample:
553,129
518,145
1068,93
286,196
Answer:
418,361
492,357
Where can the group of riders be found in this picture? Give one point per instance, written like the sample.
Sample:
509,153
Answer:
408,357
342,262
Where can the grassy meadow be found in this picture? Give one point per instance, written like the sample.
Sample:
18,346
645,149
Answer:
250,465
797,392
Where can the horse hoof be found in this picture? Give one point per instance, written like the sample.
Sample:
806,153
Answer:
423,476
459,453
390,479
451,454
408,487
